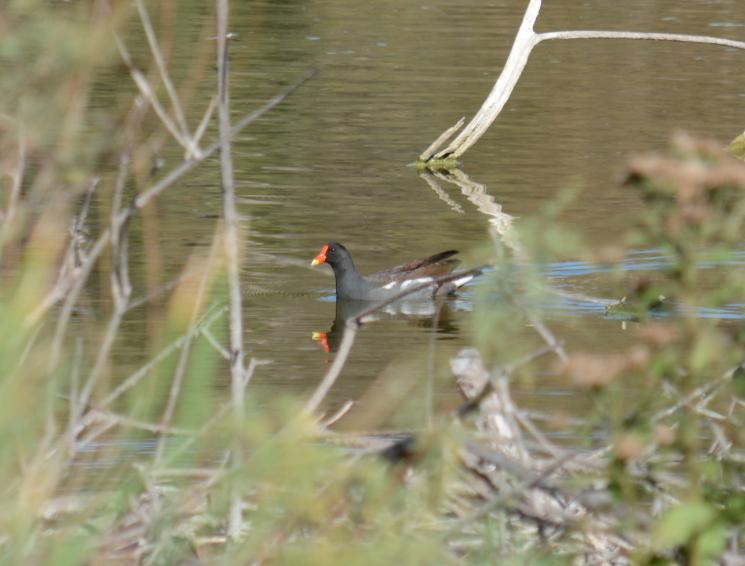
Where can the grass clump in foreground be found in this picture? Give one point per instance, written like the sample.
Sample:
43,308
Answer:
654,479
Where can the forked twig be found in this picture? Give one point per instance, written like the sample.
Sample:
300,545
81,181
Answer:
190,162
427,153
151,98
525,40
163,72
208,318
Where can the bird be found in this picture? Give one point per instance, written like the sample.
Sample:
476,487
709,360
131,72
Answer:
433,276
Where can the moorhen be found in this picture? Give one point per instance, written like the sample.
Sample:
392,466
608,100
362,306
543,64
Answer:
386,284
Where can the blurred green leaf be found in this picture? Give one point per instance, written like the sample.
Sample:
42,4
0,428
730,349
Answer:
679,524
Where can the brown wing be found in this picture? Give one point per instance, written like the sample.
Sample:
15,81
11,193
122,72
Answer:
431,266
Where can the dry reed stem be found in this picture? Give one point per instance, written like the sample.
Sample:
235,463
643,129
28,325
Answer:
232,256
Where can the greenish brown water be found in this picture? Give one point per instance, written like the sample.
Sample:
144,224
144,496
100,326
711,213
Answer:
333,161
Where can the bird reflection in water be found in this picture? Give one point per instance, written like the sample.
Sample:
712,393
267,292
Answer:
424,314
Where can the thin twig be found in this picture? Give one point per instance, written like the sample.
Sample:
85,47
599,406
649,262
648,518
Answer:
205,120
72,296
74,257
430,151
120,287
150,97
542,440
215,344
581,298
412,289
252,365
693,395
583,34
208,318
429,401
546,334
337,416
189,163
163,72
350,329
75,407
159,291
97,416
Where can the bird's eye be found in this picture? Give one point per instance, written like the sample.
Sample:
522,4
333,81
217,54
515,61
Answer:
332,250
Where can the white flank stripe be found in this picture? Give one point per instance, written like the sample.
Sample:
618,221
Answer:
390,285
462,281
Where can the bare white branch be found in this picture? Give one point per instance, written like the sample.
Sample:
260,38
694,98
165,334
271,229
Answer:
524,43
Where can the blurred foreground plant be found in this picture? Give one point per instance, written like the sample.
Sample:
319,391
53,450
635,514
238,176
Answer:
228,480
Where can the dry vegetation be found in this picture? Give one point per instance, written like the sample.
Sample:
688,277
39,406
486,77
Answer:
655,478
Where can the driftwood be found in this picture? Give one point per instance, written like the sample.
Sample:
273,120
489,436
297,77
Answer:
525,41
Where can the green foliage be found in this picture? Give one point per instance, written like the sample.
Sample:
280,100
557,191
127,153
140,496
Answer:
669,405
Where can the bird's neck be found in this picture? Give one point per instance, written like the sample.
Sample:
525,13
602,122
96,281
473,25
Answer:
348,281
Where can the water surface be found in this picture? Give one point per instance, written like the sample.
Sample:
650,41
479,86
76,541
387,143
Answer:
333,161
